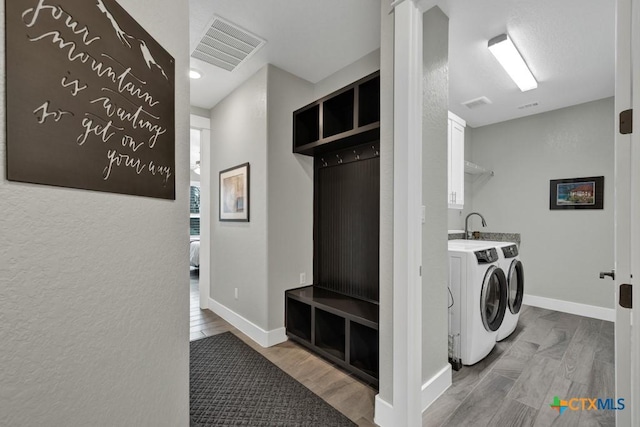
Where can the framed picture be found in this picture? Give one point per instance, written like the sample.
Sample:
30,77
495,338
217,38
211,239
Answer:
577,193
234,193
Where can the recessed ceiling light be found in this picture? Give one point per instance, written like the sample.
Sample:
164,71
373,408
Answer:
195,74
508,56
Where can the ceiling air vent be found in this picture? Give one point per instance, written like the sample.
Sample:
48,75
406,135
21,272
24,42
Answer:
478,102
525,106
226,45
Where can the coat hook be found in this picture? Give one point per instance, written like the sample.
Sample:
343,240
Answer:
375,152
324,163
339,159
357,155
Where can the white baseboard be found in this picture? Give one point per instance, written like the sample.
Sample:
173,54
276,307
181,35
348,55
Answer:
250,329
204,303
383,415
433,389
592,311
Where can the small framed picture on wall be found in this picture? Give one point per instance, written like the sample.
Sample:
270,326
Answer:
577,193
234,193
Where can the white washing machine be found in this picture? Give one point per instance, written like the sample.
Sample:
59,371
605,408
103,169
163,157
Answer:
478,300
514,271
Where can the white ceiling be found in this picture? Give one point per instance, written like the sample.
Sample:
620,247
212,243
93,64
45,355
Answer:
309,38
568,44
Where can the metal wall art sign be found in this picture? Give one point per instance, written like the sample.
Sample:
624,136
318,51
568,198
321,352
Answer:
90,99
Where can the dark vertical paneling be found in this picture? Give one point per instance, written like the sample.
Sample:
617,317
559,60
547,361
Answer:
347,231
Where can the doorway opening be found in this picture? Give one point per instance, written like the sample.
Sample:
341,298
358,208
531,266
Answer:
202,322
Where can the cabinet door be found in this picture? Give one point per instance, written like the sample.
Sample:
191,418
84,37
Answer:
456,165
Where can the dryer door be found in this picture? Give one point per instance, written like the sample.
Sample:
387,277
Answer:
493,298
515,285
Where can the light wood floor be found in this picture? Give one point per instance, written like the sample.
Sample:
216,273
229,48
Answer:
550,354
203,323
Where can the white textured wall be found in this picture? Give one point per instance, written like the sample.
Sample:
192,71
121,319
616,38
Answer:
358,69
385,330
290,190
239,249
93,286
562,251
434,187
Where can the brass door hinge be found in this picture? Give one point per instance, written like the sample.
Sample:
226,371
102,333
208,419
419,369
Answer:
626,122
626,296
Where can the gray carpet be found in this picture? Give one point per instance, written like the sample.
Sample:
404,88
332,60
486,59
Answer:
233,385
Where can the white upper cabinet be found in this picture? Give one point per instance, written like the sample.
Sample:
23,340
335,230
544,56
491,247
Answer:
456,161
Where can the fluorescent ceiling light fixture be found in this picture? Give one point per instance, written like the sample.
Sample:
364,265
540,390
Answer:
508,56
194,74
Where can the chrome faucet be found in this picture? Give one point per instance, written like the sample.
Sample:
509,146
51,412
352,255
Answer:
467,234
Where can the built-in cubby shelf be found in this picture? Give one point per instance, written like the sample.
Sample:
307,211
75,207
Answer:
337,317
330,333
337,114
364,349
343,119
307,128
300,313
369,102
345,329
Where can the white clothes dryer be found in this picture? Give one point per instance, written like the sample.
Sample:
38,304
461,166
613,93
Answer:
512,266
478,301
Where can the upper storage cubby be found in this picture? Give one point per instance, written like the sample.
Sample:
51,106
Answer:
306,126
337,114
369,102
343,119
